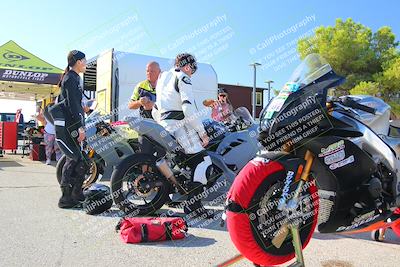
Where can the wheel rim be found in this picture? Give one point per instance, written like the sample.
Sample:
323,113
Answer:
138,185
266,228
91,176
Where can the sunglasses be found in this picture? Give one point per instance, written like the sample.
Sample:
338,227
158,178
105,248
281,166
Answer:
222,95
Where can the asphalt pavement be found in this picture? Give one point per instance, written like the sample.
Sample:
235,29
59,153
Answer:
35,232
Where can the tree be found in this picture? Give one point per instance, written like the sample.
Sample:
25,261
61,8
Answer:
390,78
352,50
366,88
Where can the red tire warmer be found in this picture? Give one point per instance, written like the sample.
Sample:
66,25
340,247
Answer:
239,224
147,229
396,224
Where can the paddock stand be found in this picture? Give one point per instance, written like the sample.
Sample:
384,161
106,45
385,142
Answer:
297,249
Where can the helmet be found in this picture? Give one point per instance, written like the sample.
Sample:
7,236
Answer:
98,199
184,59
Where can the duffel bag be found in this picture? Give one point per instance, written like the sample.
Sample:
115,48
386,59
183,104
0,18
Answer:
151,229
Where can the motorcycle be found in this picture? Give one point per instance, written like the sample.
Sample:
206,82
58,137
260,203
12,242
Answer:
320,165
105,146
141,184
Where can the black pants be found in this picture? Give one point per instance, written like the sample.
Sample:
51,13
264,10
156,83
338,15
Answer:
147,147
69,176
75,165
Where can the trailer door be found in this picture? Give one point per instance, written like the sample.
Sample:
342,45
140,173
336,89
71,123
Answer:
104,82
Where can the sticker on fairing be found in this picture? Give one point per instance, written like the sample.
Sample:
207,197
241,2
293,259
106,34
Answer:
332,148
335,157
276,104
342,163
291,87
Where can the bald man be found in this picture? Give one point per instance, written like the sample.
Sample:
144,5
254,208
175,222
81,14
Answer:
144,97
144,94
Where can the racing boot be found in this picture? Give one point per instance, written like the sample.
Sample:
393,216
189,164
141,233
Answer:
77,192
66,201
80,170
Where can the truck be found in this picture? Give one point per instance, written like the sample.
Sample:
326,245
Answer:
111,77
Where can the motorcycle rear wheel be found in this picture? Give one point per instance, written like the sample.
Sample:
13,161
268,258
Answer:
136,180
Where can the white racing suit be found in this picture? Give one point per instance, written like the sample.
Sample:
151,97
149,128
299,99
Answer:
177,112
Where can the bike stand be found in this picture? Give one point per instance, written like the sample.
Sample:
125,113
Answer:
298,249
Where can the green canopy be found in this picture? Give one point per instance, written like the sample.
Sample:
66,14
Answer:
18,65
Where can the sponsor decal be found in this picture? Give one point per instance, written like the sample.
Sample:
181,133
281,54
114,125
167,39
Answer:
358,221
335,157
11,56
24,75
342,163
291,87
286,188
332,148
276,104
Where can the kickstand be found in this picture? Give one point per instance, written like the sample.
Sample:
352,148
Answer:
298,248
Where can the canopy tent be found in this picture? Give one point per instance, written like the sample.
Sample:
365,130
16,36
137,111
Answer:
24,76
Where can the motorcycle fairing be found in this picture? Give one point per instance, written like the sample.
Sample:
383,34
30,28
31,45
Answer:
155,132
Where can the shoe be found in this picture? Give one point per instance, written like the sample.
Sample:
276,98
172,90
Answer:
66,201
48,162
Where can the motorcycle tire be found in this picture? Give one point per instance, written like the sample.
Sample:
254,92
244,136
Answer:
90,178
130,172
253,224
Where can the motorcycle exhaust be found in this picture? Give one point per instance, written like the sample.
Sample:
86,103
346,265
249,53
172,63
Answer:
163,167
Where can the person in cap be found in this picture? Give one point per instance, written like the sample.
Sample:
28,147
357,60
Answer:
221,108
70,131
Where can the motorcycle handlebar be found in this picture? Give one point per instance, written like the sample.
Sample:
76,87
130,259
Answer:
353,104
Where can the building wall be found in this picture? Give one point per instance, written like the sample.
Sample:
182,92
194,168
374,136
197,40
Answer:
240,96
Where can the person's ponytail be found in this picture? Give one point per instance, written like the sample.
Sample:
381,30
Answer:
62,76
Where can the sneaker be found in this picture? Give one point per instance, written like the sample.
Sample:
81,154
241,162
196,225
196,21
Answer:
48,162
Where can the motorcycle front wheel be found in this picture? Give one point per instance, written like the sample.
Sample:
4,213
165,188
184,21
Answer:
90,177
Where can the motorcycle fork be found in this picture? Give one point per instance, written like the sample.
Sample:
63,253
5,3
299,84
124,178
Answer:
294,228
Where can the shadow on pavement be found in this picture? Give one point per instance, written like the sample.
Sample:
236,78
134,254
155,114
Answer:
9,163
390,237
191,241
200,223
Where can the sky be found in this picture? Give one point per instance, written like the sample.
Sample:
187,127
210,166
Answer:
230,35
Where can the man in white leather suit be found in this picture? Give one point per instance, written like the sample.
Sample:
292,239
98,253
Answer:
176,110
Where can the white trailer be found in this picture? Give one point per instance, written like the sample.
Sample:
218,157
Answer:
112,76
